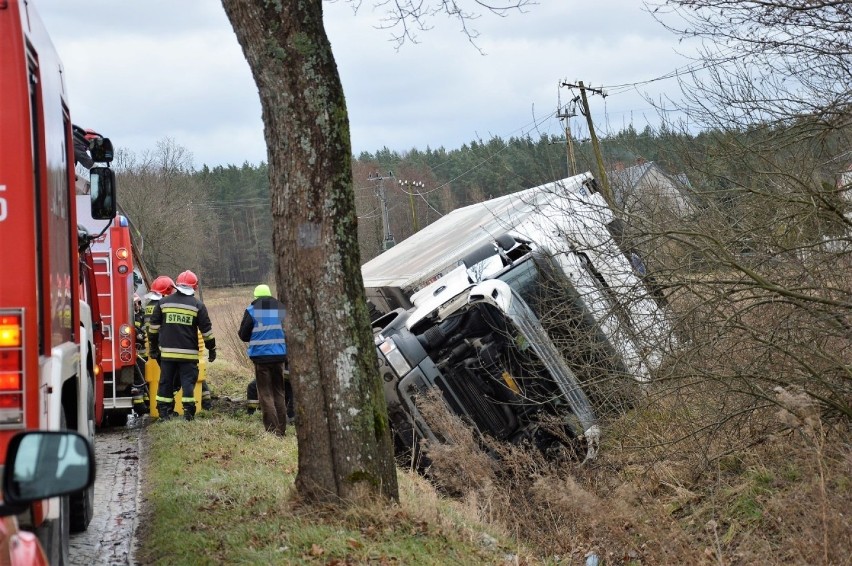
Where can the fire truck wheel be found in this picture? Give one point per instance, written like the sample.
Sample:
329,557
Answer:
55,534
83,503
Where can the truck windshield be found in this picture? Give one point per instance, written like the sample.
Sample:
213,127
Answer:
525,280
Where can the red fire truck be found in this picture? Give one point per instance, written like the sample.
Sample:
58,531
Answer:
48,315
118,272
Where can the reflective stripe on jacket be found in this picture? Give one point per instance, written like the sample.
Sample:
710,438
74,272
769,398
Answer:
175,325
263,329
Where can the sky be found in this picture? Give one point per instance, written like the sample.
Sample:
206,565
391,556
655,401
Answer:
140,71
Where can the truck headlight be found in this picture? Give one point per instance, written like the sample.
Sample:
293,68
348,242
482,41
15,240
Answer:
394,357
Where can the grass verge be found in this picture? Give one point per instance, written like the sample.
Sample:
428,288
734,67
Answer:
219,490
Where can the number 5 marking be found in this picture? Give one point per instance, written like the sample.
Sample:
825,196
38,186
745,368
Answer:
4,208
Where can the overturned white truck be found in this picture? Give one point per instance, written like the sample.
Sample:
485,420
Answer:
516,309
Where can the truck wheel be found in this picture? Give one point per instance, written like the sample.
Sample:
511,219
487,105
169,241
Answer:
55,534
83,503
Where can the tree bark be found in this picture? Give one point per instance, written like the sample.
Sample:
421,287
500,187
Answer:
345,450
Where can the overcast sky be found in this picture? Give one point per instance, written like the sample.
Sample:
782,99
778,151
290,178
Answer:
142,70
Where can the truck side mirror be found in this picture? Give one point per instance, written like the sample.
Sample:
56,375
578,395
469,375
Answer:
101,150
43,464
102,182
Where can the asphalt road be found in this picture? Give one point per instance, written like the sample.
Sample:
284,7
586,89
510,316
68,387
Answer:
111,536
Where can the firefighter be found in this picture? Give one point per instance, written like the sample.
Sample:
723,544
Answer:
139,390
162,286
173,333
206,394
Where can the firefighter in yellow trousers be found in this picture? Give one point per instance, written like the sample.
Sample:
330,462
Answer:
173,333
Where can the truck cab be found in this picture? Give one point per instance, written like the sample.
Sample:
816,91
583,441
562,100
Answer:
485,351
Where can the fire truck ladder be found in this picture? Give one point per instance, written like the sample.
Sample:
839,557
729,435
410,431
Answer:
104,280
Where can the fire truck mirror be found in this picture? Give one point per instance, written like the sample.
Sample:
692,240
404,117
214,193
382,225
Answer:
101,150
102,182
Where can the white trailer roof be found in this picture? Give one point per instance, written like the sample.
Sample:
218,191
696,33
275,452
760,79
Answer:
437,249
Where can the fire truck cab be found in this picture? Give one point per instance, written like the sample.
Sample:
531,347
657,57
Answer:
48,318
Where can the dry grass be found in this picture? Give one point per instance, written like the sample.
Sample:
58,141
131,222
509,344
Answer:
228,497
226,306
655,497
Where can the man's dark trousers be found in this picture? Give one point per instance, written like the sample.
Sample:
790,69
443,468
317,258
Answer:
270,392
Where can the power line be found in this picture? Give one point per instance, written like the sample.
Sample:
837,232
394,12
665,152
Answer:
721,58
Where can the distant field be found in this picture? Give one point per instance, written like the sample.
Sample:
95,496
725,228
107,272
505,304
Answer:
226,306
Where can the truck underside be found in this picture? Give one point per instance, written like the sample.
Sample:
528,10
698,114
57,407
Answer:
493,366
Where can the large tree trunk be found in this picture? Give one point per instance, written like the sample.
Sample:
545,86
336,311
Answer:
345,449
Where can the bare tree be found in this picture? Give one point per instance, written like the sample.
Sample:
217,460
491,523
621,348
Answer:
345,446
760,273
768,61
406,18
166,205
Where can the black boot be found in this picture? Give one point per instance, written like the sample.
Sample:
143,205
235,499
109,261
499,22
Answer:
140,407
189,411
166,410
206,396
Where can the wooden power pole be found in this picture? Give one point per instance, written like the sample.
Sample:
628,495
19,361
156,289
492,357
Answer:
602,178
388,240
569,143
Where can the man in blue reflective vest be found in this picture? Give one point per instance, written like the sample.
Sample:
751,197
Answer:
263,328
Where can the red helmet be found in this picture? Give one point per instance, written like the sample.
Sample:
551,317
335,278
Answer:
163,285
189,279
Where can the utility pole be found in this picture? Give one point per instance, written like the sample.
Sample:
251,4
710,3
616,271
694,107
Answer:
388,242
569,143
415,186
584,109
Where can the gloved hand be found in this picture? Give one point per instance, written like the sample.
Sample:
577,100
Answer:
211,355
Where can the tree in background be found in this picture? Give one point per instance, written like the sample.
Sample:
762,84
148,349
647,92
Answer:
239,196
168,206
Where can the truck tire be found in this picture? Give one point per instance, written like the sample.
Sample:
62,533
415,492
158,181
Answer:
55,534
83,503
